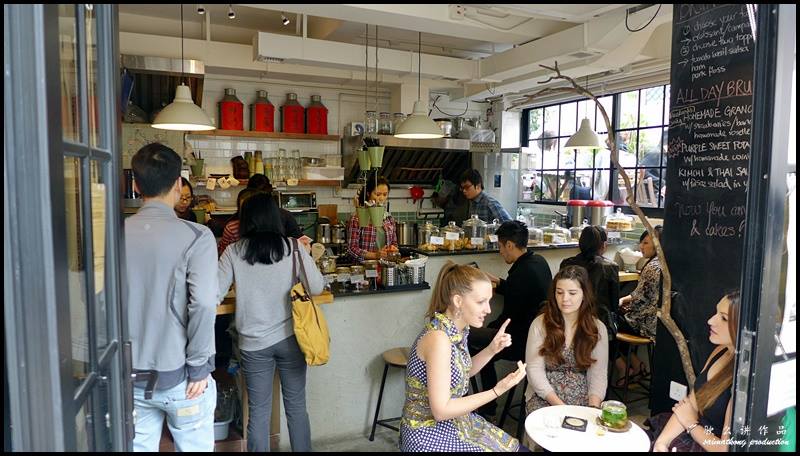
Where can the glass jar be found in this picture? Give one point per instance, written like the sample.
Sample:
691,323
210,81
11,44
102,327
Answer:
474,233
385,124
428,237
357,281
282,166
397,119
371,273
490,239
453,237
575,231
371,123
555,234
342,284
535,236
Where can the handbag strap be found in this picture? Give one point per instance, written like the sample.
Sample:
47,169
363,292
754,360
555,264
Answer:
296,259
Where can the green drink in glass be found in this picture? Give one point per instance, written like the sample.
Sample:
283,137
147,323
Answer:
614,414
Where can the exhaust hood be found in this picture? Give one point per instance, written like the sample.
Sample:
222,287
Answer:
411,161
155,79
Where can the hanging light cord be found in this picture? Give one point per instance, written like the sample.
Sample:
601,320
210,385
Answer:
181,43
376,68
419,67
645,25
366,69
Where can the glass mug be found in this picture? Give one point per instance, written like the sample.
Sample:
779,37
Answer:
614,414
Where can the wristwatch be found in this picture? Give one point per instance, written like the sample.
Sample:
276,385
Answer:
691,427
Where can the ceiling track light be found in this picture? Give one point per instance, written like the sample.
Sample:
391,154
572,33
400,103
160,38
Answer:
201,9
284,19
231,13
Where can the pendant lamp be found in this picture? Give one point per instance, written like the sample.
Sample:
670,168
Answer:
584,138
182,114
418,125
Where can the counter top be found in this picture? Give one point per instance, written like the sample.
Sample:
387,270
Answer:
228,305
397,289
477,252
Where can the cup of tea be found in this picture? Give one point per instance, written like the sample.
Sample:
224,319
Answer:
200,215
614,414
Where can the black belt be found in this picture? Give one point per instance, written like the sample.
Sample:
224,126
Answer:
150,376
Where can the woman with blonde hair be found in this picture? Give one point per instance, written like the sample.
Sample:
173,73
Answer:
438,415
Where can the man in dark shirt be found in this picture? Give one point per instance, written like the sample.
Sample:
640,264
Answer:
524,290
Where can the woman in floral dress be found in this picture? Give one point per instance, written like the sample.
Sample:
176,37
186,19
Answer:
438,415
567,353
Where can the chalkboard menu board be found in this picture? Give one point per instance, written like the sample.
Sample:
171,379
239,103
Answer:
707,168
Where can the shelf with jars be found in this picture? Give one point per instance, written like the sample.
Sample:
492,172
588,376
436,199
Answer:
267,135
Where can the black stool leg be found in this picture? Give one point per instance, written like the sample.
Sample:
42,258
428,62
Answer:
474,383
506,407
627,377
378,409
521,416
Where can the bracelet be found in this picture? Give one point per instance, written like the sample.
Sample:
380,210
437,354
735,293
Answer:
691,427
495,393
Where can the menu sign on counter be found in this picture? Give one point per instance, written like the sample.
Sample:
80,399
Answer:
708,159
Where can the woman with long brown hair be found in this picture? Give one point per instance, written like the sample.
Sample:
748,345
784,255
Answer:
567,352
701,421
438,415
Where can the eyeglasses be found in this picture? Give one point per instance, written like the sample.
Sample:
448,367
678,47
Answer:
186,198
466,188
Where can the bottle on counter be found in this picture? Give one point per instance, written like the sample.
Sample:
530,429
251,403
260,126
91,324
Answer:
262,113
231,111
292,115
316,117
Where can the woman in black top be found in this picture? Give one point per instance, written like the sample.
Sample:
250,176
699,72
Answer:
702,420
603,273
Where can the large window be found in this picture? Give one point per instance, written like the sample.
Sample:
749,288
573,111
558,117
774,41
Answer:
552,174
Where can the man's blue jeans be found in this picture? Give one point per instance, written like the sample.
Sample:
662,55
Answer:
191,422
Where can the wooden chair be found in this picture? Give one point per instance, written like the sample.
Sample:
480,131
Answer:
395,357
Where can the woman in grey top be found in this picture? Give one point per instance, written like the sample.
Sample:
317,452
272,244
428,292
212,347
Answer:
261,265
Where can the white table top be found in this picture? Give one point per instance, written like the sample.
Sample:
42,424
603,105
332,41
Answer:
568,440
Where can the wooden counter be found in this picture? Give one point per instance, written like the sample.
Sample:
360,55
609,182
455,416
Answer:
628,276
228,305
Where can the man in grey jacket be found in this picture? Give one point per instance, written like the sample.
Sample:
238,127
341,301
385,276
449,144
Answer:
172,286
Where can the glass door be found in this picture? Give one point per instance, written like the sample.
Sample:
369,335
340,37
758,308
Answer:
89,120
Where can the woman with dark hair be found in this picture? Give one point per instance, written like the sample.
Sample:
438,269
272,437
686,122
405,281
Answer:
567,352
603,273
263,265
290,227
231,232
702,420
371,242
639,309
439,413
183,208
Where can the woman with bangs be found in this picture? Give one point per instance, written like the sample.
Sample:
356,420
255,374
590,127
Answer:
567,352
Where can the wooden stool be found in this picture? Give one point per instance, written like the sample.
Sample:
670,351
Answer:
520,418
635,342
396,357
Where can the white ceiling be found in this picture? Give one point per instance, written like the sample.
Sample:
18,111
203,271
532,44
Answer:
537,20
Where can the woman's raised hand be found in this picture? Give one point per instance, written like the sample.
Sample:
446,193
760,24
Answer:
501,339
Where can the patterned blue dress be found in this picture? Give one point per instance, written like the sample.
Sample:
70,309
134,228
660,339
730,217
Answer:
419,431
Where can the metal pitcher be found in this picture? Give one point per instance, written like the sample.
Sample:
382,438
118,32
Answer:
324,233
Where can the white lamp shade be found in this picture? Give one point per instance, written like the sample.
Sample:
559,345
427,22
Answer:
418,125
182,114
584,138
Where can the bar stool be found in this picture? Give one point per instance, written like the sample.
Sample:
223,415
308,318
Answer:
520,418
395,357
633,343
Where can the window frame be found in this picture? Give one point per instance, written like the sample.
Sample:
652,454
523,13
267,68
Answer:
615,114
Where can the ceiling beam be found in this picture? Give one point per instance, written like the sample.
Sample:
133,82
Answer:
426,18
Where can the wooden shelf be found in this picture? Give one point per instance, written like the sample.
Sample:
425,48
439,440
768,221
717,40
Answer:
266,135
318,183
279,185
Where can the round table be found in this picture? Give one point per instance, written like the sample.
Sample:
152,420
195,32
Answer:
634,439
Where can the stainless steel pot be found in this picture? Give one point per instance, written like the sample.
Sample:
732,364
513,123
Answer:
458,125
338,235
576,212
324,233
446,125
599,210
406,233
